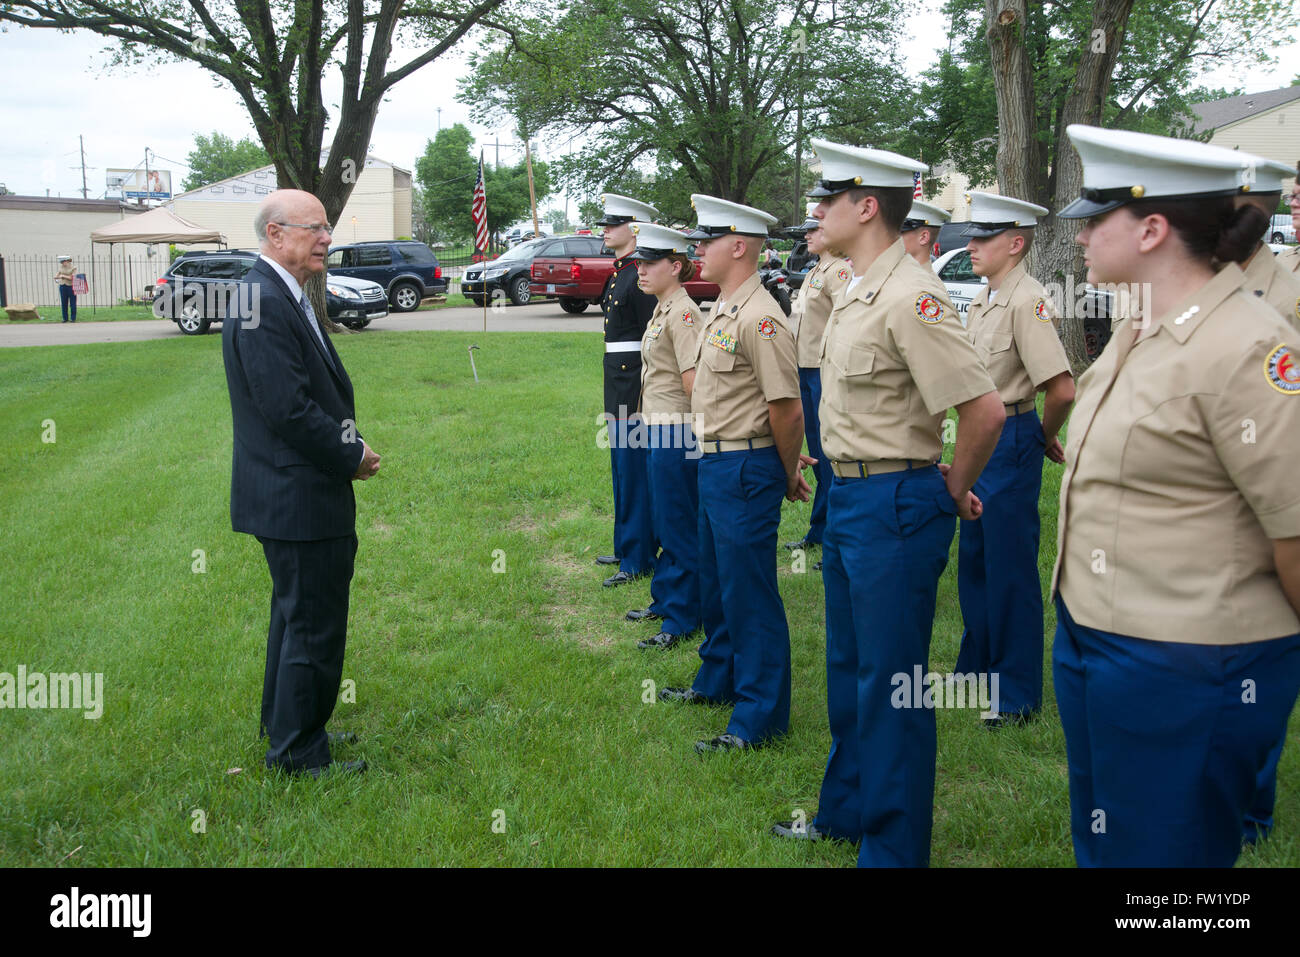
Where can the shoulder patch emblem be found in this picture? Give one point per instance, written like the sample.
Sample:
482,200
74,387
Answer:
1282,369
1042,312
687,318
767,328
929,309
722,340
842,274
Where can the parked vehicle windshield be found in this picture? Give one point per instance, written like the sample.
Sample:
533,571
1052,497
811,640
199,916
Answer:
522,251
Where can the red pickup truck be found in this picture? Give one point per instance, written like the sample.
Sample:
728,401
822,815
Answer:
578,278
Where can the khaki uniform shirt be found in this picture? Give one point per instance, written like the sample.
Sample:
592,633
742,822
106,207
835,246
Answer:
668,349
813,304
894,359
65,274
1269,280
745,359
1180,467
1016,336
1290,259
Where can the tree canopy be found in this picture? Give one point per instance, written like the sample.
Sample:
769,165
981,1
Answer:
217,157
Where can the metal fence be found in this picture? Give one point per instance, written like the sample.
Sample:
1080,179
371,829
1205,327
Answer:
112,280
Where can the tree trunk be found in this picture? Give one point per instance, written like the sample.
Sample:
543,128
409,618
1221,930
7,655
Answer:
1019,150
1059,259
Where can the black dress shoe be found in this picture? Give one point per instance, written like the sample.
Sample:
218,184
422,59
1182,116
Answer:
817,565
684,695
642,614
802,543
621,578
341,737
662,640
335,768
723,742
805,831
1011,719
606,559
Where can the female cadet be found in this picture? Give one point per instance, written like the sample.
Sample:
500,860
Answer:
668,351
1177,580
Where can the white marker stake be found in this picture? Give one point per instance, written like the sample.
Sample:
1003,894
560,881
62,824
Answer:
471,362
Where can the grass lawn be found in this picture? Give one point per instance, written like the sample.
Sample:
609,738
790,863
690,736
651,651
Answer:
480,697
86,314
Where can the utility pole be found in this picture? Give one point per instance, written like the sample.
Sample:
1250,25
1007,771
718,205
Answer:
85,192
440,119
146,176
532,194
498,138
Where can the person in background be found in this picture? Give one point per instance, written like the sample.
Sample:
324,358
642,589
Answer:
921,229
67,298
1290,259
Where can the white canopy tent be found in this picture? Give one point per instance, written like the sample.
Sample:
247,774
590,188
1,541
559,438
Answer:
159,225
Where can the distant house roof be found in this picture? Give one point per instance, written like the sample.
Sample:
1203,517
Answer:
252,185
68,204
1213,114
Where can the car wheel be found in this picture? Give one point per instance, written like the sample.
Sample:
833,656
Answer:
574,306
191,320
1278,238
519,293
405,297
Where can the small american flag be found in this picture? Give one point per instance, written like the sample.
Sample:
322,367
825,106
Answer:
916,185
478,211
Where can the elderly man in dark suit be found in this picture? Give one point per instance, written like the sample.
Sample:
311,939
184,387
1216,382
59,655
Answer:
296,453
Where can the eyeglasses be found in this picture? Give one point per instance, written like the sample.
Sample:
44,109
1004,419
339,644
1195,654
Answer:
316,228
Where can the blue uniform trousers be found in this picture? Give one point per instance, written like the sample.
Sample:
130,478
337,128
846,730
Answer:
810,394
634,540
675,506
886,546
997,570
1165,740
745,657
1259,817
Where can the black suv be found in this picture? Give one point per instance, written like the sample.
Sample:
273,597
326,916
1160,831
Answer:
201,288
409,271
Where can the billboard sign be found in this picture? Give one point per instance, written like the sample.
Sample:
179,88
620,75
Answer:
137,184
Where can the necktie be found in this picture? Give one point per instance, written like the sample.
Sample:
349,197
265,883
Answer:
311,318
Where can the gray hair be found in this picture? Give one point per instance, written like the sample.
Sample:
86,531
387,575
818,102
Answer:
271,210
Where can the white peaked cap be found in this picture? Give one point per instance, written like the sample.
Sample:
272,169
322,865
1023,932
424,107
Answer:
717,217
923,214
991,213
1263,175
848,167
625,209
1120,167
657,242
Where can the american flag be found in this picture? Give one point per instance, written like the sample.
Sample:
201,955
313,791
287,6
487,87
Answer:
916,185
478,211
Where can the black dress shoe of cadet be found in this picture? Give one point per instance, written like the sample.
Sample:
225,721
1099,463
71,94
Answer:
1012,719
799,831
606,559
621,578
341,737
817,565
642,614
335,768
684,695
723,742
662,640
802,543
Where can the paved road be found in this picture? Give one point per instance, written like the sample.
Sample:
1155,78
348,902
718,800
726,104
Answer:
539,317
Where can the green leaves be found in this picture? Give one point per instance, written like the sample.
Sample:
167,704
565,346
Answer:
217,157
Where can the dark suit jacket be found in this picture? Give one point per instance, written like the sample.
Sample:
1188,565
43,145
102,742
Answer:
290,400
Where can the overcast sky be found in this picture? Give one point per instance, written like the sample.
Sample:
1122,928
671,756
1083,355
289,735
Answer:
55,86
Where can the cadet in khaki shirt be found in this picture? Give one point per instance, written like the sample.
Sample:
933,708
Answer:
1011,325
1266,277
668,351
894,360
1177,580
1290,258
746,405
812,307
921,229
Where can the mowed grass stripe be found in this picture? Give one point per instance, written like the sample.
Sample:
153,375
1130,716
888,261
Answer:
476,692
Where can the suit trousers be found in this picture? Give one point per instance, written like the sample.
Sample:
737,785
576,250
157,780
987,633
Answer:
304,646
998,586
1165,740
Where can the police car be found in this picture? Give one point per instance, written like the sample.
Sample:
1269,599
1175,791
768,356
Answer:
954,271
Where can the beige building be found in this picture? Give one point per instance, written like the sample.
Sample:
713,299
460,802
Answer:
1267,124
379,207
